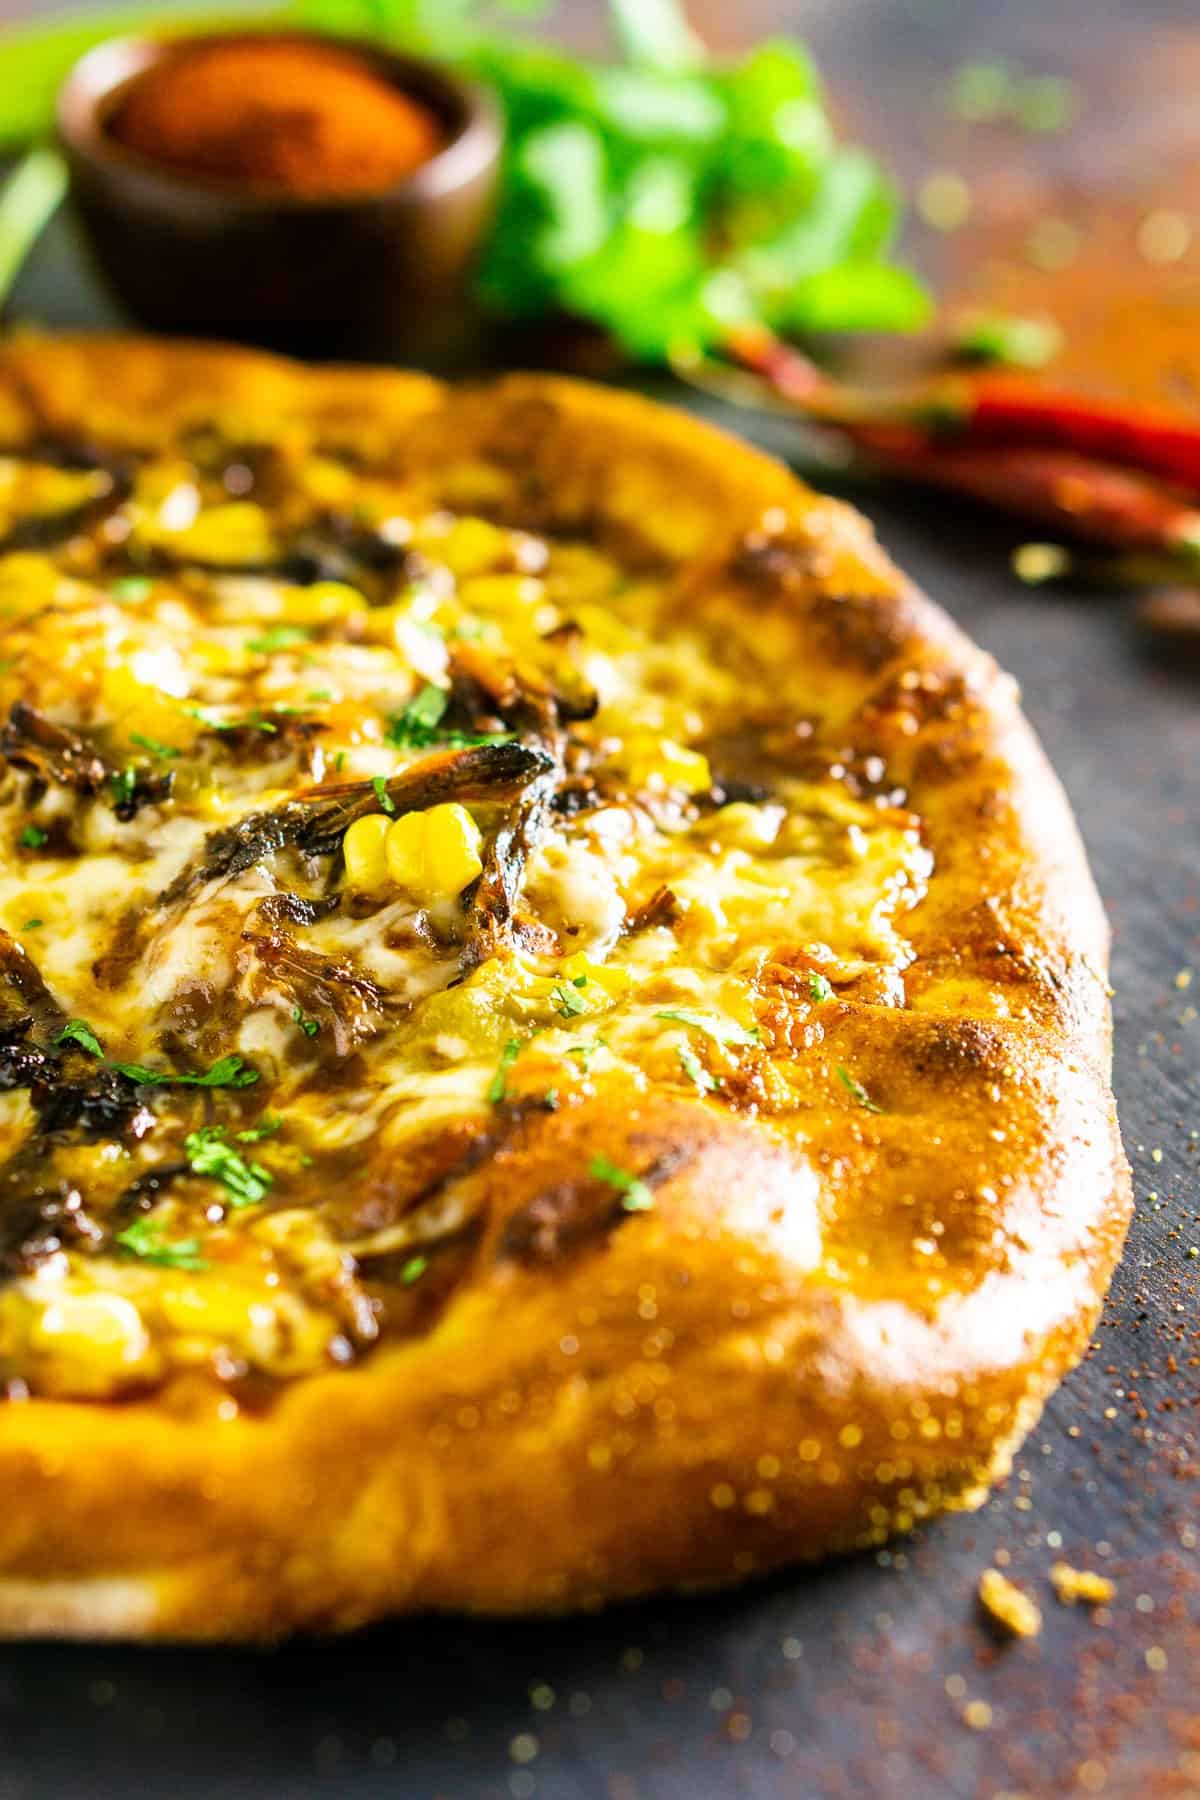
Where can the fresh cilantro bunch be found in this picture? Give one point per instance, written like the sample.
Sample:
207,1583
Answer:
664,196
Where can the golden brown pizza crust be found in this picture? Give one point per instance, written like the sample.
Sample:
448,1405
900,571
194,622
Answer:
798,1349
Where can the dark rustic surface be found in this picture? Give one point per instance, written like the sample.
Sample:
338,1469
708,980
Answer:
873,1676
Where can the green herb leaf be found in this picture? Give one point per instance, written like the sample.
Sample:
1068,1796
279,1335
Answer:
695,1071
267,1127
856,1089
499,1083
123,784
636,1196
144,1240
568,1002
226,1072
78,1031
818,987
379,783
153,745
309,1027
32,838
415,725
583,1053
721,1031
131,587
32,924
210,1153
278,637
413,1270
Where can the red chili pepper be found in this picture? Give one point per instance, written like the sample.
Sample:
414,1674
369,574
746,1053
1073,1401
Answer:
1113,474
1011,410
1077,495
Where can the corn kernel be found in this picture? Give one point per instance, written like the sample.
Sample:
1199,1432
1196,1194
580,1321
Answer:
614,984
363,849
435,854
660,763
239,532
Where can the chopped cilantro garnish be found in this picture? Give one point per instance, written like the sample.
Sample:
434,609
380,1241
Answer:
210,1153
144,1240
123,783
255,721
152,745
267,1126
379,783
695,1071
499,1082
131,587
818,987
339,761
635,1195
278,637
567,1002
721,1031
309,1027
32,924
413,1270
585,1052
579,981
227,1071
78,1031
550,1099
32,838
857,1089
319,694
415,725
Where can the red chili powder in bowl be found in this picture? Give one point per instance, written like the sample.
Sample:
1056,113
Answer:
284,116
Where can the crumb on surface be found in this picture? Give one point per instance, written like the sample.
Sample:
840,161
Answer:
1084,1585
1006,1604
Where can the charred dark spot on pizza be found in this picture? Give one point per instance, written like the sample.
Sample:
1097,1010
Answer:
147,1189
772,564
921,697
52,753
282,908
344,550
570,1212
250,742
40,1219
327,991
661,908
25,1000
49,531
948,759
859,632
492,915
959,1047
106,1105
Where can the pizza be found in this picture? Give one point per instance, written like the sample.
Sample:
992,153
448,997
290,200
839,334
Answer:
553,1026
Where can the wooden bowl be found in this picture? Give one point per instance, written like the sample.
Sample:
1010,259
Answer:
366,275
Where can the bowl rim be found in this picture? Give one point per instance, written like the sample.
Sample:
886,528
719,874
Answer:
90,85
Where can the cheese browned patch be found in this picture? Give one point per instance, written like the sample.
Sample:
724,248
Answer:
514,918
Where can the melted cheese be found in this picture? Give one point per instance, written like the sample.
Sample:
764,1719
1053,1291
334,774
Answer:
164,668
